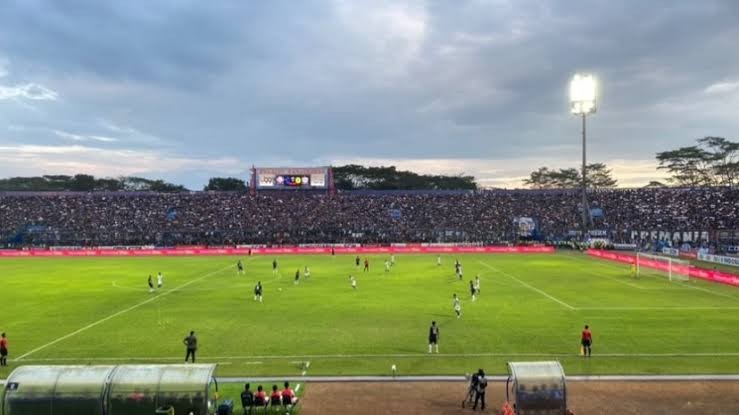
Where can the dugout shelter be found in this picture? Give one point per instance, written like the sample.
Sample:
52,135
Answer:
537,388
111,390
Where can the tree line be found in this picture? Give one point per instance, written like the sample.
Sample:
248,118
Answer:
86,183
712,161
349,177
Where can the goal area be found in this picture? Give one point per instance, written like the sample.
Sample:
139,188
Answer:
673,269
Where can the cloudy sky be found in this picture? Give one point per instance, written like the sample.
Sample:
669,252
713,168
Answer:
185,90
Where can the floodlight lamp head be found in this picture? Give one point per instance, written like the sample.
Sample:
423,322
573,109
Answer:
583,91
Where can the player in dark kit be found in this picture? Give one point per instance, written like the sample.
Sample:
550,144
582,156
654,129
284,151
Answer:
434,337
239,267
366,265
586,340
258,291
297,276
274,266
356,261
151,284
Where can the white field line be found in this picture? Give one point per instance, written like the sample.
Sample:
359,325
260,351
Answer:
687,285
647,308
116,314
574,258
612,264
529,286
490,378
395,356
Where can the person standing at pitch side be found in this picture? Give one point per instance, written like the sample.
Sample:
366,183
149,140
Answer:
191,343
586,340
433,337
3,350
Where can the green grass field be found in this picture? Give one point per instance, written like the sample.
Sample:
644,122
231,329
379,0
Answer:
532,307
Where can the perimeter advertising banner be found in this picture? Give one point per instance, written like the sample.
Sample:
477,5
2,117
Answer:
186,251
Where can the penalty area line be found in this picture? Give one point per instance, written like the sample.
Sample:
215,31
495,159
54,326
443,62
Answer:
531,287
116,314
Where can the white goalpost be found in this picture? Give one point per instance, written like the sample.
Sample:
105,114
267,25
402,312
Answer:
673,268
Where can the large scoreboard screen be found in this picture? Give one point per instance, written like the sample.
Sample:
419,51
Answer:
292,178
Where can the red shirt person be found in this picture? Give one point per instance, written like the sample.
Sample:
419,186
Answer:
260,398
586,340
3,350
276,397
288,394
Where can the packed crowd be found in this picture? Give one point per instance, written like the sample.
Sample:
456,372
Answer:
306,217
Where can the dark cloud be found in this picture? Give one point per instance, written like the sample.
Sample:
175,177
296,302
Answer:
312,81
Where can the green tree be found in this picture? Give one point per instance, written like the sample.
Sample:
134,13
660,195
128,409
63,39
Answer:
82,183
655,185
713,161
354,176
598,176
225,184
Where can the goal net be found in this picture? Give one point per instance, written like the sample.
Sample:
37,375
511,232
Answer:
672,268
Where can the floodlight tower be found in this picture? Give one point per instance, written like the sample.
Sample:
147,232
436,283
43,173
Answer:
582,103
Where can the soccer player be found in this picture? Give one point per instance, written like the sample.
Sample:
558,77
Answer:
387,266
457,305
356,261
459,272
239,267
297,276
160,280
586,339
392,259
191,343
306,273
3,350
274,267
258,291
366,265
477,284
353,281
633,271
151,284
434,337
472,290
438,260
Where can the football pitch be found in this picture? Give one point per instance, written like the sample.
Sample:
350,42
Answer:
531,307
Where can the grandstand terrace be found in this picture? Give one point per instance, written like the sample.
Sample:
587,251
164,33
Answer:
279,217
